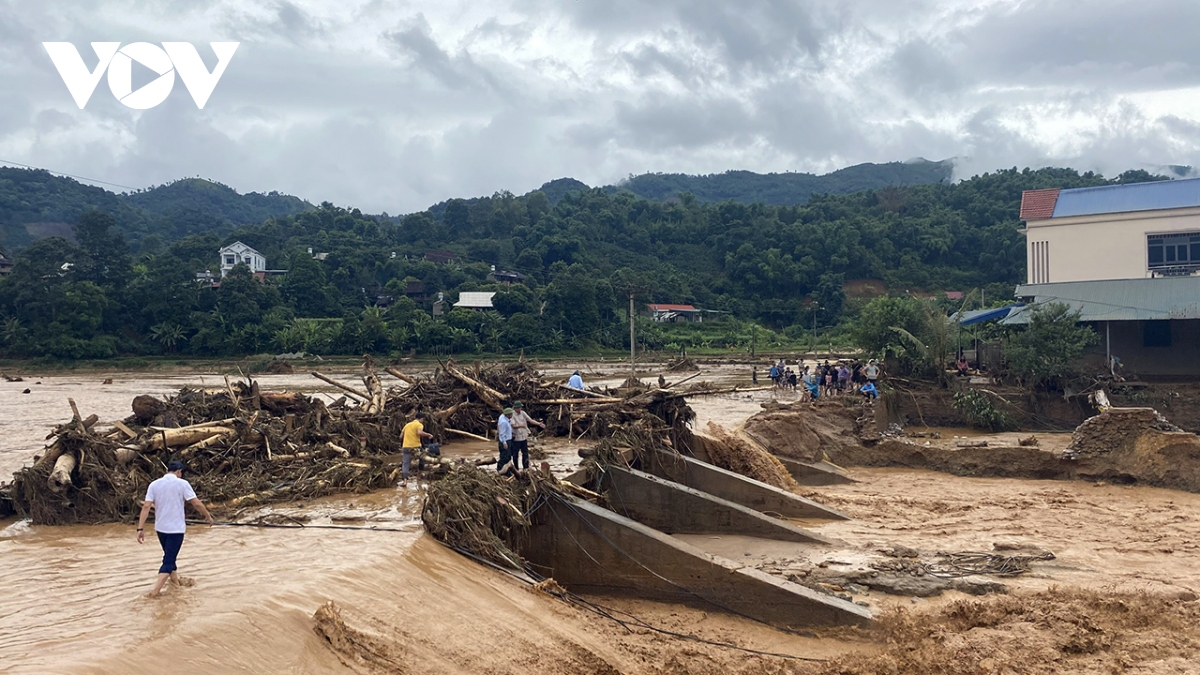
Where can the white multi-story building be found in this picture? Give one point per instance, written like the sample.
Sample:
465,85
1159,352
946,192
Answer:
1127,258
238,253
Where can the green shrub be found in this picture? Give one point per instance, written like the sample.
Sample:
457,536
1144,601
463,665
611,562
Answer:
980,410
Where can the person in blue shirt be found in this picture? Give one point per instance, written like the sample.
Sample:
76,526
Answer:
576,382
504,434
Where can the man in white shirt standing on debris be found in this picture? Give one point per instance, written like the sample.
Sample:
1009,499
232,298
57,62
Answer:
506,465
167,496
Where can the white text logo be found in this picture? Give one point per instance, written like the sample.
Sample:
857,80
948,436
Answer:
171,58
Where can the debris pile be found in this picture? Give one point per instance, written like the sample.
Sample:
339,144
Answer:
682,364
245,447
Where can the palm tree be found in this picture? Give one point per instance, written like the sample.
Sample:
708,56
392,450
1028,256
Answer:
168,335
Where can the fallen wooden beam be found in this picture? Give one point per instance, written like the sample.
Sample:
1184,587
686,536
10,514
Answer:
394,372
343,387
467,434
126,455
203,425
124,429
207,442
171,438
488,395
676,384
582,391
579,401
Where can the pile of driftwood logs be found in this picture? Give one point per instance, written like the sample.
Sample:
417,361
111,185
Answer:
245,447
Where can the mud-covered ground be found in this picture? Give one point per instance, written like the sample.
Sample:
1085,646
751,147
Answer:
1120,594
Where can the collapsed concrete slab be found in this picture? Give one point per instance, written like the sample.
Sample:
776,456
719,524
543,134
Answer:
815,473
735,487
589,549
679,509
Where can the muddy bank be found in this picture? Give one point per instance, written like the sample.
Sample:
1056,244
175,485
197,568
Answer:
1121,445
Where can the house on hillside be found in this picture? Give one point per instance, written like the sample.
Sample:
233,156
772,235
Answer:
1127,257
238,253
675,313
475,300
504,277
415,289
6,264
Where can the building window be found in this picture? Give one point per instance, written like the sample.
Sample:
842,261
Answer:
1173,253
1156,333
1039,262
229,260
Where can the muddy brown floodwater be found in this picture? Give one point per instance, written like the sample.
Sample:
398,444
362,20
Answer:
71,598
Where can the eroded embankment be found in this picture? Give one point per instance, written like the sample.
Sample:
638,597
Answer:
1125,445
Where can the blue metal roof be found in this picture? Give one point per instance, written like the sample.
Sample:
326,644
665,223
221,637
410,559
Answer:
981,315
1116,299
1167,194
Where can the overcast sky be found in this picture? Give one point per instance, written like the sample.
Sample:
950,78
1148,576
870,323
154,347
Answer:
392,106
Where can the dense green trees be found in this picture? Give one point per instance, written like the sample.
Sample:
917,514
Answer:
581,250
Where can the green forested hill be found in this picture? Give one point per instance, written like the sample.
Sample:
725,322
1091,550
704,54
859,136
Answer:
782,189
36,203
195,205
781,266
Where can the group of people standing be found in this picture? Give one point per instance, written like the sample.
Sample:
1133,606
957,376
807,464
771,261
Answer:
827,379
512,435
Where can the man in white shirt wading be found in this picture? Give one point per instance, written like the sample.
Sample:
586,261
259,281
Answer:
167,497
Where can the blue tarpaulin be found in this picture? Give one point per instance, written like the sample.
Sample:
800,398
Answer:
981,315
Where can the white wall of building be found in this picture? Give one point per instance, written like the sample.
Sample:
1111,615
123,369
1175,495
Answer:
1090,248
241,254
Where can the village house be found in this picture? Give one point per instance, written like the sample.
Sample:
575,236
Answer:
477,301
6,264
1127,258
675,313
238,253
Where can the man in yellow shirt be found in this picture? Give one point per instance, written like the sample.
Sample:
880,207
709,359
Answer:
414,433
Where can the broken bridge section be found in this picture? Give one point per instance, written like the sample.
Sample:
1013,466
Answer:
735,487
591,549
679,509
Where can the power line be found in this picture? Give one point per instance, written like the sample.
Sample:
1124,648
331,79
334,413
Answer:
68,175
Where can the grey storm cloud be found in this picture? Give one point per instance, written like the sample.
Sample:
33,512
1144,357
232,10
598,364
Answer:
393,106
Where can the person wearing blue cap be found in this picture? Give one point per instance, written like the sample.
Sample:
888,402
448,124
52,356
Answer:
168,496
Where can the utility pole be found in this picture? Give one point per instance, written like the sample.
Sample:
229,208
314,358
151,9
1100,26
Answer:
816,308
632,369
753,336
